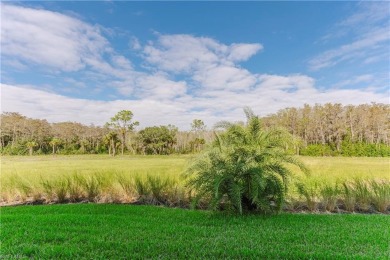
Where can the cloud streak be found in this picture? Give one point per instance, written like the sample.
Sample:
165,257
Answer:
369,27
361,48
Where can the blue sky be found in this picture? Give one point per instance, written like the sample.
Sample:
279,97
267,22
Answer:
172,62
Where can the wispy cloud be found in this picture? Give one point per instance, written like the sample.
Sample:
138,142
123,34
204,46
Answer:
366,78
368,31
134,43
45,37
362,48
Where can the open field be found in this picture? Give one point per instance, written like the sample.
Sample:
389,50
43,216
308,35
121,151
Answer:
102,231
36,167
101,178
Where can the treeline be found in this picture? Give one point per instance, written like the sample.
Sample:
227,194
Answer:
333,129
20,135
319,130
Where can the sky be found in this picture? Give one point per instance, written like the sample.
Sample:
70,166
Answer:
172,62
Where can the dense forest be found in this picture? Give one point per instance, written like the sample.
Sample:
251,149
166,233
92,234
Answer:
319,130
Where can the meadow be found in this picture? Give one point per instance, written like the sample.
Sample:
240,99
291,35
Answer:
158,180
32,168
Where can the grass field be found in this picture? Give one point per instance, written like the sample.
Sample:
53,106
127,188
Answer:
102,178
35,167
106,231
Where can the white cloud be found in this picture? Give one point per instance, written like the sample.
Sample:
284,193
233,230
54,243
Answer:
368,13
242,52
49,38
182,53
290,83
366,34
225,77
361,47
181,110
185,53
121,62
135,44
366,78
158,87
210,64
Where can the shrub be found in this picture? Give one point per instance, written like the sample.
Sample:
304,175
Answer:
245,169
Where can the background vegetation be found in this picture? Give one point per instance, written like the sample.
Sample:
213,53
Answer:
320,130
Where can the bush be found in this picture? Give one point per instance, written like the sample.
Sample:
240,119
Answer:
245,169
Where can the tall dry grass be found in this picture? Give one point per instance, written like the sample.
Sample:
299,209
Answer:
156,180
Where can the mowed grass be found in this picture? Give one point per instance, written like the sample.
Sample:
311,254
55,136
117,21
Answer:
108,231
37,167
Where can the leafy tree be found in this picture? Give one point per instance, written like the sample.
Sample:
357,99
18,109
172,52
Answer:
157,139
122,122
245,169
198,127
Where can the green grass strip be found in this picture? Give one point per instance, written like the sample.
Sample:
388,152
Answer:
107,231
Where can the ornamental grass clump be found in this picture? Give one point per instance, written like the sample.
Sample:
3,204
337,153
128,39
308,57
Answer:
142,188
55,191
309,191
75,188
380,195
245,169
329,195
362,194
127,185
348,196
92,186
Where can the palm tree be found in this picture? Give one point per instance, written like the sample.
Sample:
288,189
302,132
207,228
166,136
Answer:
111,139
54,143
30,145
245,168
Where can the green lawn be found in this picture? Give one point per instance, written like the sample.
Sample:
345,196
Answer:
107,231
